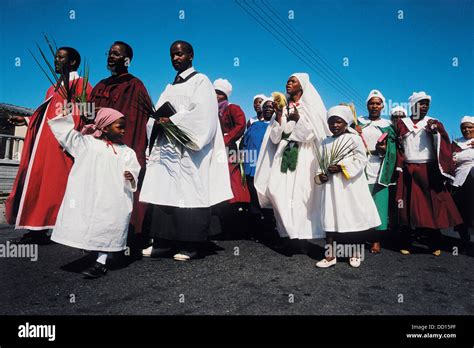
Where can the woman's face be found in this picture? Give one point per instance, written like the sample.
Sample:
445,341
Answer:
268,110
293,86
375,106
257,104
467,130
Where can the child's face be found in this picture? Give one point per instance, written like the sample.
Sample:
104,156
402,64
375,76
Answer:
337,125
116,130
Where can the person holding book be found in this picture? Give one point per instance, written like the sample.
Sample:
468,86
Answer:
347,206
40,183
379,137
182,181
97,205
425,161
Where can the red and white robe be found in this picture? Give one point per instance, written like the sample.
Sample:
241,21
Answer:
42,176
426,164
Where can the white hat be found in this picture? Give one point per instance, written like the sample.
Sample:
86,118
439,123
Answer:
416,97
342,111
223,86
466,119
375,94
262,96
398,109
265,99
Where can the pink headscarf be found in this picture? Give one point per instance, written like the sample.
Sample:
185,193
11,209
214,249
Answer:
104,118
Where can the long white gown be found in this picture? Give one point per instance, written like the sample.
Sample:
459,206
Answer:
97,205
293,195
347,205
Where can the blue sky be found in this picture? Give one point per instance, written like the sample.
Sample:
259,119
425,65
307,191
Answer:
396,56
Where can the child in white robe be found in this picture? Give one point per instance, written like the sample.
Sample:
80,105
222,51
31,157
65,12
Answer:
97,205
347,205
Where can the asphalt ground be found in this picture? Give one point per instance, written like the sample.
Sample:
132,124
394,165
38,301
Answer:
242,277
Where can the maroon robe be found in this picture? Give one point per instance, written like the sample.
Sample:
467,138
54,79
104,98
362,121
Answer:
422,197
232,120
122,94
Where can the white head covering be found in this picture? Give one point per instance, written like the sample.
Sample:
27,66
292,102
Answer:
375,93
223,86
467,119
416,97
259,96
343,112
265,99
398,109
313,109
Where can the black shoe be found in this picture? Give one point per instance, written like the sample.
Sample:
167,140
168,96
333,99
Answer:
32,238
96,271
162,252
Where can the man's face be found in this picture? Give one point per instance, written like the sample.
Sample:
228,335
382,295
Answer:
116,59
257,104
467,130
61,62
180,58
374,106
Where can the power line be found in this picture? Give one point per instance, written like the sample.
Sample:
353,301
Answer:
324,61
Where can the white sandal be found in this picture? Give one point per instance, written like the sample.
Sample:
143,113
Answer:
325,263
355,261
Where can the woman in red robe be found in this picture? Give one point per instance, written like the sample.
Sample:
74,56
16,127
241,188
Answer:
232,121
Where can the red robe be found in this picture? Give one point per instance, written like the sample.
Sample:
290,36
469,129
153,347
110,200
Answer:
422,197
122,93
41,180
232,120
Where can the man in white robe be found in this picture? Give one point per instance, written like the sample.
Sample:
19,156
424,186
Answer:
182,183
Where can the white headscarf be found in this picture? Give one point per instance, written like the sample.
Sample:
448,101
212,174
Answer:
467,119
259,96
398,109
315,111
224,86
416,97
343,112
375,93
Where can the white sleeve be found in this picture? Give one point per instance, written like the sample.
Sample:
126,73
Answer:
131,165
355,163
201,121
69,138
302,131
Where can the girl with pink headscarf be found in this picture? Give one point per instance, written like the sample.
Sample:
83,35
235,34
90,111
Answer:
97,205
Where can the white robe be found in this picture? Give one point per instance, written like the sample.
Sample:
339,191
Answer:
464,160
371,133
293,195
97,205
347,205
195,178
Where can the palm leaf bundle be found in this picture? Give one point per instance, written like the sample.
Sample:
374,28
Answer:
339,150
175,135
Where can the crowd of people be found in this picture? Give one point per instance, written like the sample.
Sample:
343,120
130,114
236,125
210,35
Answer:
160,181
